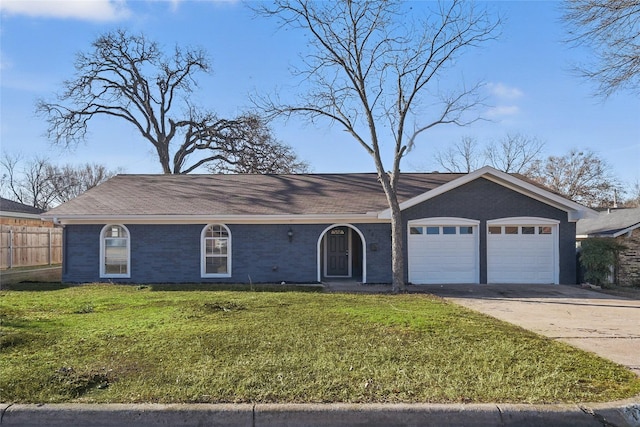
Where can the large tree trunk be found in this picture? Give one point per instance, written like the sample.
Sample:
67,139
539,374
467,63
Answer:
397,252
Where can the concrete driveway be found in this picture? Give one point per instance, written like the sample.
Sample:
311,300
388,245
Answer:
603,324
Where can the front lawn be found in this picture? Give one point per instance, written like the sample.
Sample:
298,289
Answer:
109,343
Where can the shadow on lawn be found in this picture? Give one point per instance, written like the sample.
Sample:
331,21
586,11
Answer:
35,286
271,287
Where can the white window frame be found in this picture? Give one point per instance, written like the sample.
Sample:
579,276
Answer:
103,273
203,252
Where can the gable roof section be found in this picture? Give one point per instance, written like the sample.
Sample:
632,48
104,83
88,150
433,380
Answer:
575,210
612,223
253,197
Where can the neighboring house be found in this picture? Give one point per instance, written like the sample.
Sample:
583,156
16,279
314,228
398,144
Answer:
483,227
15,213
624,226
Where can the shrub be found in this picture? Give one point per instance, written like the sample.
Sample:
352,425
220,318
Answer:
597,257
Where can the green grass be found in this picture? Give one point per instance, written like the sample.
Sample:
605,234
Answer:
108,343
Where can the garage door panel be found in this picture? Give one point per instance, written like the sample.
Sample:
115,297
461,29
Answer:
443,258
522,257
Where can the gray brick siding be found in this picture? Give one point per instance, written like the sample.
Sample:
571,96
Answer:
484,200
260,253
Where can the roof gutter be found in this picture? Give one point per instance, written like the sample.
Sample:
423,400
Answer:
371,217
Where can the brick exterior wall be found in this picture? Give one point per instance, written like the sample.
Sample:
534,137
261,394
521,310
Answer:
261,253
629,260
484,200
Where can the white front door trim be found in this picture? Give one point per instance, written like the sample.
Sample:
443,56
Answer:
320,252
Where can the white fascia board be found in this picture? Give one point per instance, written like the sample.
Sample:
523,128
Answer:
226,219
19,215
626,230
575,210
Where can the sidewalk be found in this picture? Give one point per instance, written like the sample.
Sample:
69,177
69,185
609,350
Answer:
616,414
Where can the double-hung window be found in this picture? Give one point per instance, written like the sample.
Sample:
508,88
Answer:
115,259
216,251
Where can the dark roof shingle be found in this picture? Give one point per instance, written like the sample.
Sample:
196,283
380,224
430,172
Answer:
304,194
7,205
609,222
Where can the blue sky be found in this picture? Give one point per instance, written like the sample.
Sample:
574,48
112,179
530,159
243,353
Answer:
530,87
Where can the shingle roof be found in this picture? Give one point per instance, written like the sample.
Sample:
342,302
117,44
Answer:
304,194
609,223
7,205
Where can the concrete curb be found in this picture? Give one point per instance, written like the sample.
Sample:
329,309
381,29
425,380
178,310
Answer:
615,414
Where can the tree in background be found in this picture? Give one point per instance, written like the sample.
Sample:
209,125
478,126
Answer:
515,153
461,157
129,78
260,152
41,184
581,176
370,66
611,28
633,198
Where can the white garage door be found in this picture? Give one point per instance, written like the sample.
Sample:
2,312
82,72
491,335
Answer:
518,253
443,254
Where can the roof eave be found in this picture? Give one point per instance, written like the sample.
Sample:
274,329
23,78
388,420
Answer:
9,214
227,219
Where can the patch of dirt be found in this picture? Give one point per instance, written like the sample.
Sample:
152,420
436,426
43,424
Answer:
76,383
223,306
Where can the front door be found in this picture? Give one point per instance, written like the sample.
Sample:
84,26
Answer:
337,255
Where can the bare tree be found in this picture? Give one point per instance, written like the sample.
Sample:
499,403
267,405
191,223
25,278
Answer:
370,66
579,175
633,200
463,156
611,28
27,184
68,181
515,153
41,184
129,78
260,152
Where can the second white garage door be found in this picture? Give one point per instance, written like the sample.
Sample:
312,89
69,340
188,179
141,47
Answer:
443,252
522,251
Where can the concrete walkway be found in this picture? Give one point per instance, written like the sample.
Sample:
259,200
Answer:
33,274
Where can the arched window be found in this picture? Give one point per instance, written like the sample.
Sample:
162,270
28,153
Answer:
216,251
115,257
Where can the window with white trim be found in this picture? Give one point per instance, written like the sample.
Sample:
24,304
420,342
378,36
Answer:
115,256
216,251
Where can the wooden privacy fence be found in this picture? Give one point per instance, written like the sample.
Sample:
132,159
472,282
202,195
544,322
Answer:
29,246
